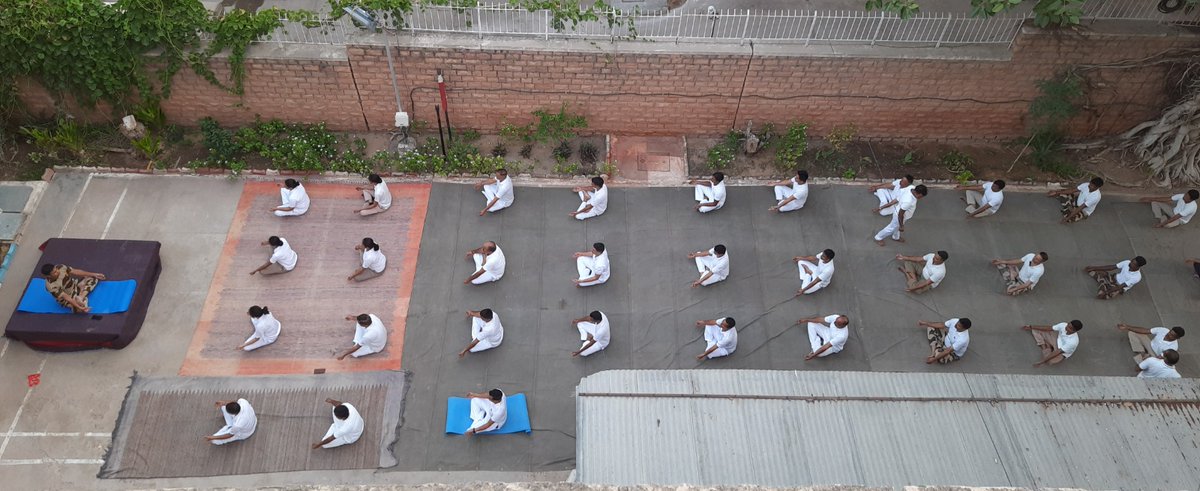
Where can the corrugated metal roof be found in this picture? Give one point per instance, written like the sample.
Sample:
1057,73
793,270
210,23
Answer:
802,428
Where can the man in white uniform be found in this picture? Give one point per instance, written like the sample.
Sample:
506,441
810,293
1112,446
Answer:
890,191
826,335
376,195
370,336
1080,202
489,411
1146,343
240,422
1058,342
592,266
984,199
294,197
1021,275
923,273
815,271
347,426
903,206
594,199
1160,366
489,263
713,265
720,338
710,193
1116,279
1173,211
283,258
266,329
594,332
498,191
486,331
792,194
947,340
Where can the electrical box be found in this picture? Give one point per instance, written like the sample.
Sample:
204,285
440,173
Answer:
401,119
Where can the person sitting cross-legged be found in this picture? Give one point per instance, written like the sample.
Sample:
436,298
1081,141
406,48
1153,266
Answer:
1182,211
1021,275
240,422
283,258
593,199
266,329
486,331
347,426
1116,279
1058,342
720,337
947,340
983,199
71,286
921,279
1148,342
489,264
1080,202
594,333
826,335
370,336
1162,366
489,411
592,266
377,198
294,197
710,193
712,264
791,194
815,271
498,191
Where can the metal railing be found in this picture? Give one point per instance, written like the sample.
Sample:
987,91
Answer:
779,26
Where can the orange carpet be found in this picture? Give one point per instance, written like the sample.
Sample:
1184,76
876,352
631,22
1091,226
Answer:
311,301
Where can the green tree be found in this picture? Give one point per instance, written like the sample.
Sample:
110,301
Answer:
1046,13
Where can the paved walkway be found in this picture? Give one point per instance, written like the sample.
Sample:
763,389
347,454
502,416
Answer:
61,427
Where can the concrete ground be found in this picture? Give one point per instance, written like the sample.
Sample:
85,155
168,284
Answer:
56,432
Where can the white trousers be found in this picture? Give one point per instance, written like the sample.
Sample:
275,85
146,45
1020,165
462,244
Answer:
358,338
586,328
284,193
584,265
225,430
975,202
711,333
583,196
336,442
487,276
479,418
257,344
892,228
885,196
806,278
489,193
706,262
476,328
785,192
818,334
704,194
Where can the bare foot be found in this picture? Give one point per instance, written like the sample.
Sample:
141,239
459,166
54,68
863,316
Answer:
901,240
880,243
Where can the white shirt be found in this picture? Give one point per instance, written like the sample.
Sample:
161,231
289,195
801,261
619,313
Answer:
1158,342
824,272
720,265
374,337
1184,210
383,195
266,327
284,255
1155,368
933,272
1126,277
374,260
504,191
244,422
491,332
601,333
496,412
298,199
599,200
1030,273
993,198
1066,342
719,193
837,335
350,429
955,340
896,188
494,263
726,338
1087,199
906,201
600,266
800,192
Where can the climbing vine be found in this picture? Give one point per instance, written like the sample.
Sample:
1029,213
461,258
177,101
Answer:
562,12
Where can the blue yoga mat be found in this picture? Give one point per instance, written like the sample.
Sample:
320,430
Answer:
109,297
458,416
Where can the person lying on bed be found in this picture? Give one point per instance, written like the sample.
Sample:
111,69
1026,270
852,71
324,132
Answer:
71,286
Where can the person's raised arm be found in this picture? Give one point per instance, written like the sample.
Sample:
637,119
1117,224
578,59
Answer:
1133,329
1109,267
889,204
351,349
590,341
468,348
1037,328
901,215
935,325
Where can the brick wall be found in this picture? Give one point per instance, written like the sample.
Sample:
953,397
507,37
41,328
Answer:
696,93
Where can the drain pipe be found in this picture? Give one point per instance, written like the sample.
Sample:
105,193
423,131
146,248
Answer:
441,81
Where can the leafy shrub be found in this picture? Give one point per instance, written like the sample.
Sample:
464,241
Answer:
964,177
850,173
563,151
514,133
792,147
908,158
302,147
721,155
840,136
589,154
222,149
609,168
148,145
526,150
955,161
557,126
469,135
1046,152
500,150
566,169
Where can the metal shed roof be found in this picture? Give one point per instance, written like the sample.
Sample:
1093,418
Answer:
781,428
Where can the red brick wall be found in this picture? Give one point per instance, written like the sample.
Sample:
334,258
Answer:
696,94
